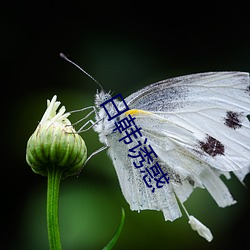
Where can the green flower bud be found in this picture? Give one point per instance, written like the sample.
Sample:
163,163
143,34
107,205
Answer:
55,144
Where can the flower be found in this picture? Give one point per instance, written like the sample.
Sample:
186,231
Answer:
56,143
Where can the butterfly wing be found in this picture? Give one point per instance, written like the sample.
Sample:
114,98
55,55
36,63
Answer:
133,187
197,126
212,106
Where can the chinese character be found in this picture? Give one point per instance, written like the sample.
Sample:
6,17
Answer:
119,112
147,152
124,124
156,170
140,153
129,134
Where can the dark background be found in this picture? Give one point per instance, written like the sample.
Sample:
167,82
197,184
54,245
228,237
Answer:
125,45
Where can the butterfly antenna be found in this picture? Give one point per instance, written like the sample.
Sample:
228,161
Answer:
86,73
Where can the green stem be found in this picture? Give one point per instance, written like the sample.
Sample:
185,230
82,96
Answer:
54,177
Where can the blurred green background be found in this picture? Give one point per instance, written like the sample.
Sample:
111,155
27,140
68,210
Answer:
125,47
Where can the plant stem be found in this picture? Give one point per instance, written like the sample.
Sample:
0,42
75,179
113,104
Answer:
54,177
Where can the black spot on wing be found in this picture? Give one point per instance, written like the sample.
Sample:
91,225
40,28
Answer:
233,119
212,146
191,181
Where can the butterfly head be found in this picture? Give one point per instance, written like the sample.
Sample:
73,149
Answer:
104,124
101,97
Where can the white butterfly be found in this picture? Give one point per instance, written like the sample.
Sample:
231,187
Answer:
198,128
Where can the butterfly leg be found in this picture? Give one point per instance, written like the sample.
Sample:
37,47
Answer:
94,153
81,129
86,116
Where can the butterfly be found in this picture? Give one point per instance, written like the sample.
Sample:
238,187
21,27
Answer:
198,128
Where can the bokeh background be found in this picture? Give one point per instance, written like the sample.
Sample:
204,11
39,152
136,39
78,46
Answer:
125,45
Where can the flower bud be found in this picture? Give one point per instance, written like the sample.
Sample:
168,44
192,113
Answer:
55,144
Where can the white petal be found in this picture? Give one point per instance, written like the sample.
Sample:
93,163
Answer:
51,114
50,109
200,228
